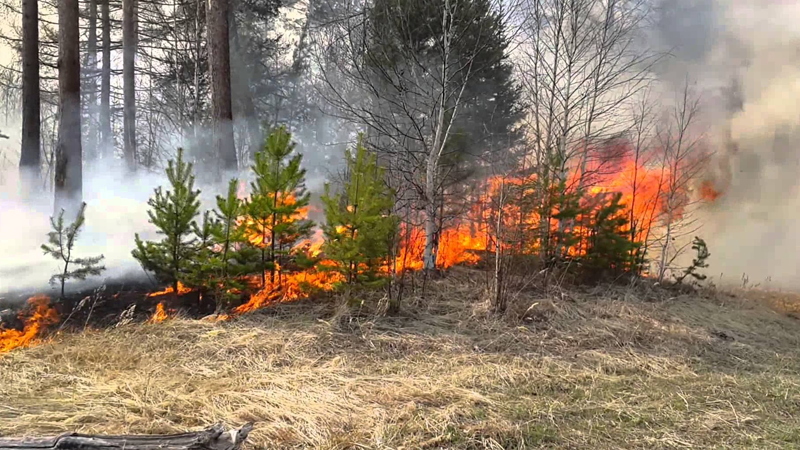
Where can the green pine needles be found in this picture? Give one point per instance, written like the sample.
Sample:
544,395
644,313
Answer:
60,244
359,224
277,201
173,213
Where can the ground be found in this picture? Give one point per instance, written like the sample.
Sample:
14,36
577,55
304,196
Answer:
614,368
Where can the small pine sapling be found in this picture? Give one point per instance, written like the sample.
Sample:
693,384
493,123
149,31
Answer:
173,213
608,247
359,223
699,262
277,203
61,242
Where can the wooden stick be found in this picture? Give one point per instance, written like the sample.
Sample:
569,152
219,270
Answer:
213,438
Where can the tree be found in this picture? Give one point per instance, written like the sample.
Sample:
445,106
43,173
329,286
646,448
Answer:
129,44
220,64
425,77
358,221
609,249
69,154
61,242
106,139
91,149
30,159
699,262
277,201
173,213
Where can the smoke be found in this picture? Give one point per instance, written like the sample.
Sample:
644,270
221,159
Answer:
744,57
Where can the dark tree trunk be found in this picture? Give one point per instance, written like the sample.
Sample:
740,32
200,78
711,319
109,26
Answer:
214,438
240,91
69,165
220,65
91,83
106,140
129,43
30,159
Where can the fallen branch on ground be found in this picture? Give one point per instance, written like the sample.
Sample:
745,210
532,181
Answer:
213,438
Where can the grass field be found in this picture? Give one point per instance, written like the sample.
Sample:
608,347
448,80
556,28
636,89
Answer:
609,369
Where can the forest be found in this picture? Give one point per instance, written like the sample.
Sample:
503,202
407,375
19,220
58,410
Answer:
477,167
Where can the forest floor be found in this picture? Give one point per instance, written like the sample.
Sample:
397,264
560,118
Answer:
613,368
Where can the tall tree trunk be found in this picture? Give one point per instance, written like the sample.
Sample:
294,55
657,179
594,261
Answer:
220,65
91,83
241,91
129,43
69,167
106,140
30,160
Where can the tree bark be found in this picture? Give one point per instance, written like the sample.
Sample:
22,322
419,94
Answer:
91,83
69,154
106,140
220,65
129,43
30,159
247,109
213,438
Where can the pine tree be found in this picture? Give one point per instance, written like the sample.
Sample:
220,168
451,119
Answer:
61,242
173,213
608,247
278,199
358,217
699,262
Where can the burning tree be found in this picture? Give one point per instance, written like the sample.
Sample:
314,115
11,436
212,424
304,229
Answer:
275,212
173,213
359,224
61,242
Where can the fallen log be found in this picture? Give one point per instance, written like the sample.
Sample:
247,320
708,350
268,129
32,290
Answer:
213,438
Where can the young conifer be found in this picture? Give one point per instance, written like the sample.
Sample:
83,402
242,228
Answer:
278,198
359,223
173,213
61,241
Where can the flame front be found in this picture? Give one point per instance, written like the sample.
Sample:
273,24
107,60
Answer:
41,316
160,315
181,291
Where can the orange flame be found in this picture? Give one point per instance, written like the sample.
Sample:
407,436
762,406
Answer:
160,315
42,316
181,291
290,287
708,192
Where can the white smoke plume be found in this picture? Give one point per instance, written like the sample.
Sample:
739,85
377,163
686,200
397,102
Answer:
743,56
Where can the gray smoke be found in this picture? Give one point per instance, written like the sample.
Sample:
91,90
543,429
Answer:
744,56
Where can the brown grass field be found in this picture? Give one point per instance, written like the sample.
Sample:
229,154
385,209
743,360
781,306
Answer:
616,368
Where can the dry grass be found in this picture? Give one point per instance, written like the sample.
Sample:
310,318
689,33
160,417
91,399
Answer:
604,370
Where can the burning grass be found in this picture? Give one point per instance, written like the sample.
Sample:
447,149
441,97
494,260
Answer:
606,369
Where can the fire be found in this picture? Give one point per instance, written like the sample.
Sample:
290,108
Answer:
290,287
181,291
42,315
160,315
708,192
260,235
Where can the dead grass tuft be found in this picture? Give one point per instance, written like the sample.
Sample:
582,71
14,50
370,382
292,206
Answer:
612,368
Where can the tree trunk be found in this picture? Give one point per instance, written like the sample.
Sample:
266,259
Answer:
106,140
129,43
91,83
220,66
213,438
241,91
69,167
30,159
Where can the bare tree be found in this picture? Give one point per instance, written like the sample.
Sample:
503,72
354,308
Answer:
69,165
106,140
91,83
220,64
30,158
683,160
129,44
